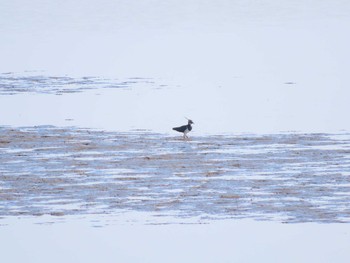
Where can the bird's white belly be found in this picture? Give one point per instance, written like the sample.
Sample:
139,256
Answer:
186,131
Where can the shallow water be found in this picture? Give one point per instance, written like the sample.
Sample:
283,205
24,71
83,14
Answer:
73,171
13,83
114,238
90,170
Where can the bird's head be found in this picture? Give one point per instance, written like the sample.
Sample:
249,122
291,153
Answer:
190,121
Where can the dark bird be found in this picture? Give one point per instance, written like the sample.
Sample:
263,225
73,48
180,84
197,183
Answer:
185,128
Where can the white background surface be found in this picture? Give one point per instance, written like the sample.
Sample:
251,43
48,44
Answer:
220,241
227,63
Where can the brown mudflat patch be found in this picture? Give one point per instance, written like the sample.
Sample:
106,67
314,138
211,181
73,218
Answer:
63,171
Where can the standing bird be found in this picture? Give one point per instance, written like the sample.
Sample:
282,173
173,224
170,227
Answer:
185,128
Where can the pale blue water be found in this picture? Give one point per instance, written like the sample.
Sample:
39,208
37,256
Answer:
68,171
227,65
266,83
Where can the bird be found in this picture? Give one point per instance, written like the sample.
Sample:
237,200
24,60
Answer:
185,128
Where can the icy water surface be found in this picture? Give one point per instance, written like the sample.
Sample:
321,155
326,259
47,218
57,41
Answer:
71,171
